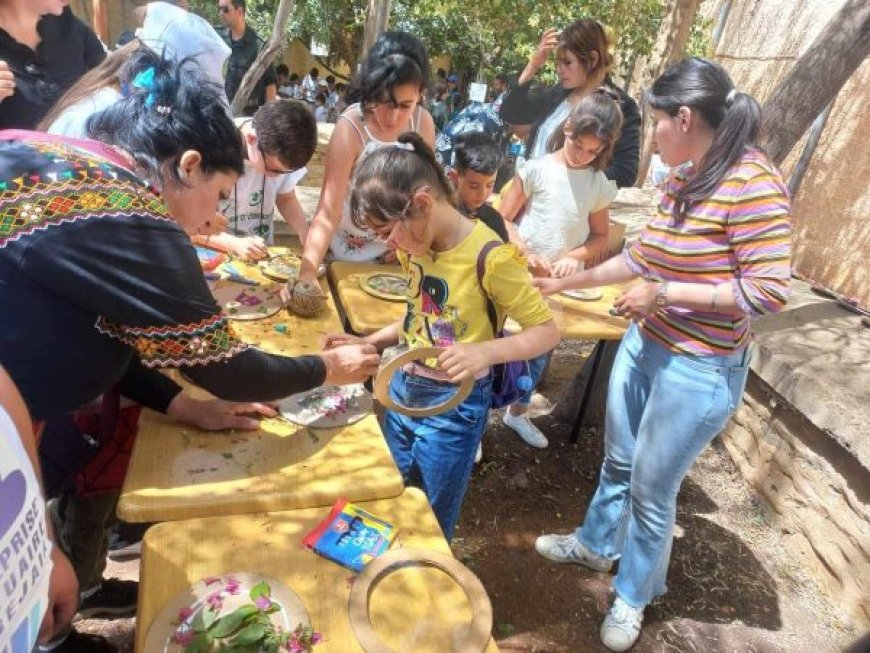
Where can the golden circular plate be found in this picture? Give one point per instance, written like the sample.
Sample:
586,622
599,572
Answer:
384,285
584,294
474,638
241,301
381,384
284,265
191,600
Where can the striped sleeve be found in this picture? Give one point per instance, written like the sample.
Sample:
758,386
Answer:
759,232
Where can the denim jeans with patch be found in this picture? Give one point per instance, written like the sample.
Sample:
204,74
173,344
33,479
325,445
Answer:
436,453
663,409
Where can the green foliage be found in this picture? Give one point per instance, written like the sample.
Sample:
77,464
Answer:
482,37
699,44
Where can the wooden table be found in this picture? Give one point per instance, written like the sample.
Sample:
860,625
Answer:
178,472
363,314
405,607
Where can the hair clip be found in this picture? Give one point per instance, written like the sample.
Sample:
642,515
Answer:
408,147
730,97
145,81
163,109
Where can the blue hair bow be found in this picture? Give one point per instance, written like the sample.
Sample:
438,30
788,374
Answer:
145,81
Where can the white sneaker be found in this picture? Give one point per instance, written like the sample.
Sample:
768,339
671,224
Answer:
478,455
523,427
621,626
568,549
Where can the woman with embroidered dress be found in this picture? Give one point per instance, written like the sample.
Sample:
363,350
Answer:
389,87
96,263
713,257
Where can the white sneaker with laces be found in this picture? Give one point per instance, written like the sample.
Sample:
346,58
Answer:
568,549
621,626
523,427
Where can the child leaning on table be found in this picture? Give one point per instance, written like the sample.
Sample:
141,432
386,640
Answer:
403,196
565,225
279,141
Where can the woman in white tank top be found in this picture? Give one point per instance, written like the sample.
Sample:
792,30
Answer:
390,86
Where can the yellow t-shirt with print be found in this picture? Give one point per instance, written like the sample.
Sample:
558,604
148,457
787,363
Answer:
445,303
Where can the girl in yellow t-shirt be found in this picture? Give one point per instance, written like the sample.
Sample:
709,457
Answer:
401,193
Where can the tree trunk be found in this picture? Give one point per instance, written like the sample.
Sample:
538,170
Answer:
816,78
377,19
670,45
266,56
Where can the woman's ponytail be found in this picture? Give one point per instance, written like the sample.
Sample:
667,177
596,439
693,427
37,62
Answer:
705,87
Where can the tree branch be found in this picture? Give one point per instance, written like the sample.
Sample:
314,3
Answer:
816,78
266,56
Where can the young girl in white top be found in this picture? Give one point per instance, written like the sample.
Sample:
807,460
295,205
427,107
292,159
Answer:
566,194
389,86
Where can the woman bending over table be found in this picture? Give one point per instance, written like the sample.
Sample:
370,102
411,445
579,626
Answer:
96,264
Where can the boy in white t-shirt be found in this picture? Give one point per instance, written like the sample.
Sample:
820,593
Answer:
279,140
566,222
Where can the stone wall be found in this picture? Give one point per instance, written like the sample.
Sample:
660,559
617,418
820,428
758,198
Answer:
760,42
819,496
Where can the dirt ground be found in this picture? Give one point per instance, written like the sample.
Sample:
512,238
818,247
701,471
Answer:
732,588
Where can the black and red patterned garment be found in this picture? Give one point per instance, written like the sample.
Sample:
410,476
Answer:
93,270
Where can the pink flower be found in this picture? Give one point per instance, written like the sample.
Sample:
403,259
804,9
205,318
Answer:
263,602
183,637
232,585
215,601
211,580
184,614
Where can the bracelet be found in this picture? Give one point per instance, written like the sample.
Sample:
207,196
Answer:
714,296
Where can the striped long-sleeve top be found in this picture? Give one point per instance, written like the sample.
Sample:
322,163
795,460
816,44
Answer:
740,235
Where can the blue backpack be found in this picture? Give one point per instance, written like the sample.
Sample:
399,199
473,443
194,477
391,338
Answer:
511,380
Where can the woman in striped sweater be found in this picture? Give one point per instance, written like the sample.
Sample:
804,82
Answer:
714,256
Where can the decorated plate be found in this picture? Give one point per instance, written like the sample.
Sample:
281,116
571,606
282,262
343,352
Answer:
212,604
585,294
209,259
246,302
328,406
383,285
285,266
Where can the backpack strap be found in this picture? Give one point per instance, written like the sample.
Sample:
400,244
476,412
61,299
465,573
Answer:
481,270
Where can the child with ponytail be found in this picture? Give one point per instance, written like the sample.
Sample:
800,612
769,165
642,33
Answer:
402,195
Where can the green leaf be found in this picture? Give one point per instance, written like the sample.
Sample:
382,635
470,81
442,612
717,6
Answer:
198,622
249,635
202,644
227,625
260,589
208,618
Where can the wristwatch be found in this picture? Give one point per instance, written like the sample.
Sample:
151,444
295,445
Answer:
662,294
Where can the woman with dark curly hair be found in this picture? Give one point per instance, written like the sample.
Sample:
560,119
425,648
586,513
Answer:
583,62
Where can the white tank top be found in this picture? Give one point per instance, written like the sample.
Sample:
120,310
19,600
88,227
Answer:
25,550
350,243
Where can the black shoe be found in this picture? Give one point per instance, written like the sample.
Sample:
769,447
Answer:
115,598
126,541
77,642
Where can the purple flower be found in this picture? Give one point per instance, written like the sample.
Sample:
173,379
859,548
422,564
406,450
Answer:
232,585
183,637
263,602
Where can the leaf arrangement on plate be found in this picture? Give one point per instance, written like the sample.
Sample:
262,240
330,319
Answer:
202,628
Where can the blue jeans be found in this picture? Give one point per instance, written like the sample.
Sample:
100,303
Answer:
436,453
537,366
663,409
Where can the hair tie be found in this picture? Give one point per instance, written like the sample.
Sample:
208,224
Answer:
408,147
730,97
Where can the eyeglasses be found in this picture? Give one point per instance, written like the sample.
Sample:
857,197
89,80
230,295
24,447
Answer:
274,171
